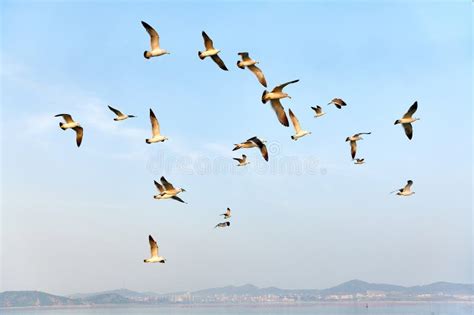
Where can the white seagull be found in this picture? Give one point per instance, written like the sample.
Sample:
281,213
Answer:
359,161
338,102
154,42
405,191
155,130
353,139
251,65
167,190
155,258
227,214
253,143
120,115
222,225
211,52
319,111
296,124
274,97
71,124
242,161
408,119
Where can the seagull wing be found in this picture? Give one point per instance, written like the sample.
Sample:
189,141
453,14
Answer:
66,117
280,87
408,130
239,160
294,121
219,62
79,133
159,186
411,110
166,183
245,56
317,109
353,148
408,186
261,146
178,199
261,78
362,133
153,246
116,111
207,41
280,112
155,125
154,37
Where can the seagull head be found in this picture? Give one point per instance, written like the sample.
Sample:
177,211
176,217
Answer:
348,138
396,122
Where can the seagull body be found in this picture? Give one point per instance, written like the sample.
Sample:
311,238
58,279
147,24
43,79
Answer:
167,190
296,124
227,214
155,257
353,140
154,43
359,161
155,130
274,97
253,143
338,102
222,225
318,110
71,124
120,115
408,119
242,161
251,65
211,52
405,191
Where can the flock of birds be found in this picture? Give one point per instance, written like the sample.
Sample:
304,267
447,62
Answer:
166,190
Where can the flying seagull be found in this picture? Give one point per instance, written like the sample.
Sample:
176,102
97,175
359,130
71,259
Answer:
120,115
405,191
408,119
167,190
242,161
296,124
338,102
227,214
222,225
155,258
353,140
251,65
211,52
319,111
359,161
274,97
71,124
253,143
155,130
154,42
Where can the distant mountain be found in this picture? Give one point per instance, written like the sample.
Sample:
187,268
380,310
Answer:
358,286
33,298
122,292
107,298
250,290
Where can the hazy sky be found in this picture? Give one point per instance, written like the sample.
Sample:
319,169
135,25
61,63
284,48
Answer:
76,220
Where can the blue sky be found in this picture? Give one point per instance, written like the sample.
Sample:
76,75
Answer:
313,229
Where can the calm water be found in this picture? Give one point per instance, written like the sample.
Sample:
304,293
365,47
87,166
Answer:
419,309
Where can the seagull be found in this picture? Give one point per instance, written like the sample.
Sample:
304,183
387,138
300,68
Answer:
319,111
120,115
354,140
71,124
296,124
253,143
359,161
251,65
167,190
155,43
242,161
338,102
155,258
227,214
408,119
222,225
405,191
211,52
155,130
274,97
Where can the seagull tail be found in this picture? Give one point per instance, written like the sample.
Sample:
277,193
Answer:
263,96
238,65
200,57
61,125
